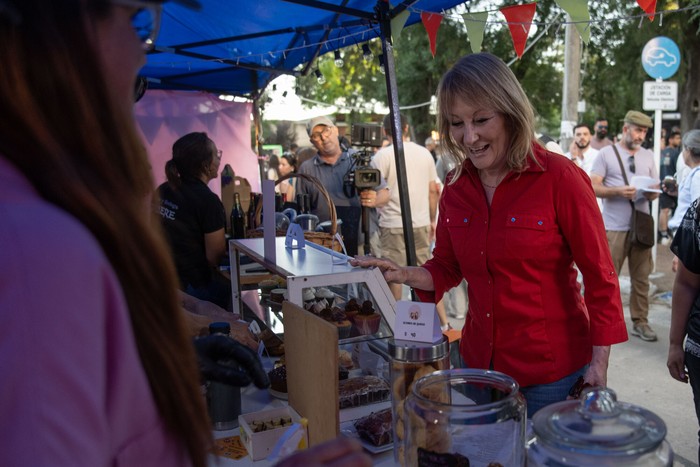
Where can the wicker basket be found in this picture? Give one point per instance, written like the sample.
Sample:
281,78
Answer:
324,239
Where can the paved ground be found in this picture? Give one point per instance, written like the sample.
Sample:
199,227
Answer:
638,371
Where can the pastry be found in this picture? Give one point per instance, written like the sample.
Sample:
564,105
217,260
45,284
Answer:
278,378
366,320
323,293
278,295
308,296
351,309
267,285
375,428
345,359
344,328
362,390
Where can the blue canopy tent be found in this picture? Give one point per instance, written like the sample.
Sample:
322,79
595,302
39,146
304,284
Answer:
236,47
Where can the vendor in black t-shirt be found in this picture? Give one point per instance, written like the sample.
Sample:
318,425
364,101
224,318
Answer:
193,218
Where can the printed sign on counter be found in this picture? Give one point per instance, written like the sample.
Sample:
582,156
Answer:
417,322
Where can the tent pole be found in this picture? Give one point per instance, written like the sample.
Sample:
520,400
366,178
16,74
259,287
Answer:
392,93
257,124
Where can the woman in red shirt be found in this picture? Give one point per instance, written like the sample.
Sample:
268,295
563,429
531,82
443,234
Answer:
514,218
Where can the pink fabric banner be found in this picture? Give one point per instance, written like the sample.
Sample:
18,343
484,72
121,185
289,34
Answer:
165,116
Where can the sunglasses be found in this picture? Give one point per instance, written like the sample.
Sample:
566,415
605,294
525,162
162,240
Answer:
603,127
630,162
146,20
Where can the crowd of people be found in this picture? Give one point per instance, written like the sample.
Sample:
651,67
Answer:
99,366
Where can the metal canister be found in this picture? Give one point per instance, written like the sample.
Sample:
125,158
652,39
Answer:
409,362
223,400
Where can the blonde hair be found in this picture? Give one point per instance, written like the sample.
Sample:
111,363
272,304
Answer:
483,80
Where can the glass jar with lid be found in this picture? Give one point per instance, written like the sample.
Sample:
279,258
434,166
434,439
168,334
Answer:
410,361
597,430
465,417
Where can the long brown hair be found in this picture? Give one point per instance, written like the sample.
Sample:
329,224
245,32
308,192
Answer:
484,80
82,153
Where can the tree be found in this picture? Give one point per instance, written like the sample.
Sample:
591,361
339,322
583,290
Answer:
612,74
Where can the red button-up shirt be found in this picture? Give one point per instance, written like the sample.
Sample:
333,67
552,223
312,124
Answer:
526,315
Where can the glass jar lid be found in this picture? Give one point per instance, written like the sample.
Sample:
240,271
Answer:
410,351
599,425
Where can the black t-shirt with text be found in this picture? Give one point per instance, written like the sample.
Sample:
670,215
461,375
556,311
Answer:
187,214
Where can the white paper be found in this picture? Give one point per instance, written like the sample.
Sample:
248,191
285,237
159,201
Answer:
417,322
645,184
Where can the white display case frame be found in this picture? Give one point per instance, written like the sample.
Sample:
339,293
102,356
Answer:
312,266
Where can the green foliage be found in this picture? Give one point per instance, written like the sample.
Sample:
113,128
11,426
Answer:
612,76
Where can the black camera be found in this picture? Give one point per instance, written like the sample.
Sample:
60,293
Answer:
367,177
367,135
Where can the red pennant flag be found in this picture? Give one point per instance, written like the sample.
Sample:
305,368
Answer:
649,7
431,21
519,18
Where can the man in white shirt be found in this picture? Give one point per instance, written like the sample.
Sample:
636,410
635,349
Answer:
581,151
423,195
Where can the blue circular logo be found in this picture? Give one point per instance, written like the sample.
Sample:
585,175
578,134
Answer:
661,58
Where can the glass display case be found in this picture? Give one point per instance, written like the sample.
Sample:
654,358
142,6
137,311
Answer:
322,282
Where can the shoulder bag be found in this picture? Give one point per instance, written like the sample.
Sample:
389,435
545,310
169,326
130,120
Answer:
642,229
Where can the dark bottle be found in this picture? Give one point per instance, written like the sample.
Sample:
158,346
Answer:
279,202
237,218
303,203
254,199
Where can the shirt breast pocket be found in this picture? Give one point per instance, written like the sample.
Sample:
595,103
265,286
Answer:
529,235
459,222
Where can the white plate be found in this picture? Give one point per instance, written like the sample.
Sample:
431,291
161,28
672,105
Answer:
348,429
278,394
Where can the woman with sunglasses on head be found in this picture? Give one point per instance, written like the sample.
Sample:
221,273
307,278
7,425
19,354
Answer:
193,218
514,218
287,165
96,365
689,189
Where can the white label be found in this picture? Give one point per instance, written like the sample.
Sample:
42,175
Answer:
660,95
417,322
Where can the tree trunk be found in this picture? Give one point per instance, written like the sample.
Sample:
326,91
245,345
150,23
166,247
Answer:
689,99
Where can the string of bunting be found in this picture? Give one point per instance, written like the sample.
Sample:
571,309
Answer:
519,19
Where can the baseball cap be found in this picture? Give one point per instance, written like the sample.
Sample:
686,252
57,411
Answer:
638,118
325,121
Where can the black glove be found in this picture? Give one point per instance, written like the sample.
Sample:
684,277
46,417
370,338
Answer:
224,360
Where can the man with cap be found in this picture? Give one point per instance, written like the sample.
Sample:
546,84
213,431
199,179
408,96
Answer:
330,166
609,183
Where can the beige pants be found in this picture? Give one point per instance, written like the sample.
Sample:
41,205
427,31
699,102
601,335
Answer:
394,248
640,264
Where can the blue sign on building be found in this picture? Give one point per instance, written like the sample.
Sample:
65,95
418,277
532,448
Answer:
661,58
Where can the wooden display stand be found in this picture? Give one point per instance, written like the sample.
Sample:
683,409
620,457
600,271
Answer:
311,348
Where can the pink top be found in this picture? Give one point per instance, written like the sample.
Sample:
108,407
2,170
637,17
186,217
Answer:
73,391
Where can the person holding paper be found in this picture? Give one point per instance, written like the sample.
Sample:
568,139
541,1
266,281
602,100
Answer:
609,183
513,219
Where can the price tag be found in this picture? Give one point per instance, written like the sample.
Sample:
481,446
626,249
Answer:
417,322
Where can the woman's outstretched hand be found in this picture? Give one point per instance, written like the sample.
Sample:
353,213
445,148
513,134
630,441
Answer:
392,272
